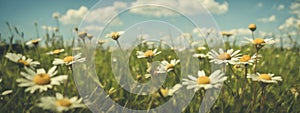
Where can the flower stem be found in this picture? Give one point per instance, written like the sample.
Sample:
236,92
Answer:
262,101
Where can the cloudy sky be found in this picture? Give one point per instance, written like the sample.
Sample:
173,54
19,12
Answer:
274,16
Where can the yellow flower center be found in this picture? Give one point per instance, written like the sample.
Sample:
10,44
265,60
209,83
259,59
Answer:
57,51
164,92
224,56
35,41
203,80
265,76
24,62
149,53
252,27
258,41
245,58
42,79
63,102
170,66
115,35
68,59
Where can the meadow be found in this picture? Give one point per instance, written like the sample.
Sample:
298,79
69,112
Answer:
243,90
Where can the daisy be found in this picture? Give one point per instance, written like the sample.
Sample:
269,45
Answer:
260,42
164,92
20,59
227,34
115,35
228,57
200,56
6,92
147,54
202,81
252,27
59,103
55,52
40,80
265,78
33,42
68,60
247,59
82,34
165,66
89,36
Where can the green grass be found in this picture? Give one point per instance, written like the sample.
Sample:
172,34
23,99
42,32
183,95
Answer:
279,98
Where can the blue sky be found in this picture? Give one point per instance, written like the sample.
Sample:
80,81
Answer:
238,15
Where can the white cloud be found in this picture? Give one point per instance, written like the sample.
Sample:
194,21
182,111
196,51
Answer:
98,15
214,6
239,31
295,8
269,19
187,7
289,23
103,15
92,28
280,7
260,5
74,16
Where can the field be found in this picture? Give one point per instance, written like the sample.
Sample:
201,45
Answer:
238,94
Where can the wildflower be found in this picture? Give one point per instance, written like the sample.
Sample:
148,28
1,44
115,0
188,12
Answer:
55,15
247,59
227,34
68,60
200,56
115,35
34,42
201,48
295,92
147,54
20,59
259,42
215,80
40,80
228,57
55,52
252,27
90,36
59,103
164,92
82,34
101,42
264,78
165,66
6,92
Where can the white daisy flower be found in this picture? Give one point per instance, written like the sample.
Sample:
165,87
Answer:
147,54
82,34
260,42
165,66
59,103
247,59
20,59
200,56
215,80
55,52
6,92
68,60
265,78
33,42
115,35
164,92
228,57
40,80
